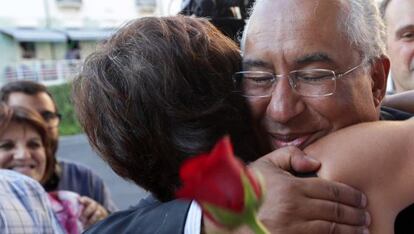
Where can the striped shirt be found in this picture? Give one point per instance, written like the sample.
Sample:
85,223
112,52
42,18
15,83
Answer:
24,206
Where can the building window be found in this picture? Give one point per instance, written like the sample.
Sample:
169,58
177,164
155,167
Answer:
28,50
73,51
145,3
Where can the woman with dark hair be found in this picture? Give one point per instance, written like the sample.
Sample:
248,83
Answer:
156,93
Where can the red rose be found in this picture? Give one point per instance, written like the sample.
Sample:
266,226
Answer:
227,191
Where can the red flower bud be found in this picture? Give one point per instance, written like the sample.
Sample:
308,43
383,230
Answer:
226,190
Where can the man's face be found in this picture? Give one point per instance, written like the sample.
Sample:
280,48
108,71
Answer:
399,18
43,104
283,36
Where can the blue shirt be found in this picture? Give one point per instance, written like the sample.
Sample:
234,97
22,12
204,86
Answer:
24,206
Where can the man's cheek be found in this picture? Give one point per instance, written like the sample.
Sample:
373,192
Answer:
258,107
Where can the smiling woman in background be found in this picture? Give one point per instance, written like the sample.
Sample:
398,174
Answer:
24,143
25,148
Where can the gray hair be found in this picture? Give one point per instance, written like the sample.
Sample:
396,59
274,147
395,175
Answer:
364,28
383,7
362,25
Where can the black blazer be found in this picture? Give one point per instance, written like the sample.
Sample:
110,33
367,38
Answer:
148,217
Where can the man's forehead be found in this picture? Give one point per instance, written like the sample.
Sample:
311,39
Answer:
294,11
395,7
284,19
400,13
307,29
300,61
40,101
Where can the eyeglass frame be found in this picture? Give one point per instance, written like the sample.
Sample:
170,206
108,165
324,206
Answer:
293,82
49,116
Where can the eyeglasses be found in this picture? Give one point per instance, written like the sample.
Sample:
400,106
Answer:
52,119
308,83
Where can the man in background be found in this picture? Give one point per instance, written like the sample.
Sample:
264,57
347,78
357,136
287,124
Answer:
398,16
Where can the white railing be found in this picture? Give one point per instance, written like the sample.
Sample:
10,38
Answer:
48,72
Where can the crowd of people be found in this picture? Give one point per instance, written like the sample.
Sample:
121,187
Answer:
301,98
29,121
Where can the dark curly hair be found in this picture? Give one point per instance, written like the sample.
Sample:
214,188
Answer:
158,92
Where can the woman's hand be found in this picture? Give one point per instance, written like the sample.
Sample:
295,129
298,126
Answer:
92,211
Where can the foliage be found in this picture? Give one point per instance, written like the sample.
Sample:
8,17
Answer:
69,124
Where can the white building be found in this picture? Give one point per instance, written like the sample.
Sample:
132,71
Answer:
44,40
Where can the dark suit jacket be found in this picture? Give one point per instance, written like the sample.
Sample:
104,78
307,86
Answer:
148,217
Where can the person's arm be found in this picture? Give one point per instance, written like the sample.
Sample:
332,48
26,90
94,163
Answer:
402,101
375,158
304,205
24,206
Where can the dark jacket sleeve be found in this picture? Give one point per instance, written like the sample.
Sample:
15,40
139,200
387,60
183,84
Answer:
388,113
148,217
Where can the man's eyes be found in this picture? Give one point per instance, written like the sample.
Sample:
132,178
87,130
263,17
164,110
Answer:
407,36
260,79
314,78
303,77
47,115
255,80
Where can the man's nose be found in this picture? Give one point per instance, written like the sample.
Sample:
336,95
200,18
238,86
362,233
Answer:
285,104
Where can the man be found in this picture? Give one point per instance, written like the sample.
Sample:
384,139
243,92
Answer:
398,16
298,108
283,37
68,175
24,206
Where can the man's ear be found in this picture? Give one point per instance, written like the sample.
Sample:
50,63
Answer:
379,74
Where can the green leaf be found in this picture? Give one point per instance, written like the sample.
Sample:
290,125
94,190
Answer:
223,216
232,219
251,201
